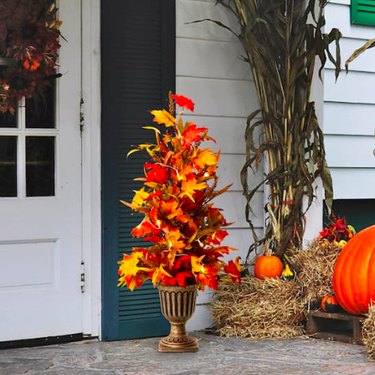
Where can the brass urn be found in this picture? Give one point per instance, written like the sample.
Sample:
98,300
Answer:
177,305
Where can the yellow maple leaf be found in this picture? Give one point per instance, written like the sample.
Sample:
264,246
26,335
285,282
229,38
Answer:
139,197
206,157
191,185
196,265
163,117
158,272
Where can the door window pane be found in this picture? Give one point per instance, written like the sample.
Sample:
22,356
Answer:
7,120
8,166
40,109
40,166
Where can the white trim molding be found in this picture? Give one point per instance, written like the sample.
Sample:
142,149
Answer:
91,169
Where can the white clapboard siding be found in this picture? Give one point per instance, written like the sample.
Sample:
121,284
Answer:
356,87
348,150
349,110
353,183
189,11
219,97
349,118
233,205
338,16
361,63
222,129
222,59
209,70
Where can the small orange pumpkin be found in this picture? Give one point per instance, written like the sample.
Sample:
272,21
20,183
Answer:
354,273
329,304
268,265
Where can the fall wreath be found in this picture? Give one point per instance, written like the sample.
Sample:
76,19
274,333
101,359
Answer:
29,44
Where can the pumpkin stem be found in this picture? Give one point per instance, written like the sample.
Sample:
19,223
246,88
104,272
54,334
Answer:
268,252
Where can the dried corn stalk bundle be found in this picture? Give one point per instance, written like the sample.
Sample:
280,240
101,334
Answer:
314,269
259,309
368,331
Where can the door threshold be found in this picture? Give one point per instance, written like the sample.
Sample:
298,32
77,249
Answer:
43,341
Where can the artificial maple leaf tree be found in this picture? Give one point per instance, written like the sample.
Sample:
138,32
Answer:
180,219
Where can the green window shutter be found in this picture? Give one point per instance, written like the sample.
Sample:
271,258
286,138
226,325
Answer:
138,70
363,12
358,212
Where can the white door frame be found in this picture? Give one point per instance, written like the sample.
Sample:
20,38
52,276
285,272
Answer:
91,167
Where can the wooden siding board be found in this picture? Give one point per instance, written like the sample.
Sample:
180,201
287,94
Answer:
349,110
338,15
188,11
349,118
342,2
221,59
356,87
219,97
223,129
233,206
353,151
229,172
353,183
364,63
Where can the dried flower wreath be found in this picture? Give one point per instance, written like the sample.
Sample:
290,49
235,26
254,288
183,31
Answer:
29,44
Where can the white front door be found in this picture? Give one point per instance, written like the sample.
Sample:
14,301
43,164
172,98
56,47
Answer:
40,205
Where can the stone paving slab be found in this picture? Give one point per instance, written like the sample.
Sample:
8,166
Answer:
216,355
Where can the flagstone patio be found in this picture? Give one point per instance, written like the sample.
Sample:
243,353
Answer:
215,356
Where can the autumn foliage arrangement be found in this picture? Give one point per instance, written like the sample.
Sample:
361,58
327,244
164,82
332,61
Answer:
181,223
337,231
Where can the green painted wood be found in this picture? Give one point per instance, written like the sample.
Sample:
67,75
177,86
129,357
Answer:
363,12
138,70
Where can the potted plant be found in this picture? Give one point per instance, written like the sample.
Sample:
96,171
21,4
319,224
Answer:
181,222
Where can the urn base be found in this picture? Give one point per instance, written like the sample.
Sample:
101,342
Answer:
184,344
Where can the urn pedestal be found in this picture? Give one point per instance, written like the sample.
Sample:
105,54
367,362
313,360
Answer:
177,305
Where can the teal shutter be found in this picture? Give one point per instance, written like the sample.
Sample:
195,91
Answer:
363,12
138,70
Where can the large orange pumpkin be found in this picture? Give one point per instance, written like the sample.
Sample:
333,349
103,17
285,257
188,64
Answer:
268,266
354,273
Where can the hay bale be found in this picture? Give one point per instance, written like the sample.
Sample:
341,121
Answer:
259,309
314,269
368,331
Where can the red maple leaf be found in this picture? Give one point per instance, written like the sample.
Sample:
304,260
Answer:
233,270
183,102
156,173
193,134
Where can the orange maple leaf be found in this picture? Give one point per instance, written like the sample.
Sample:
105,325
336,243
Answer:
171,209
205,275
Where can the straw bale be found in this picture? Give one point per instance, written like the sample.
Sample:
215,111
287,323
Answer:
259,309
368,331
314,269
